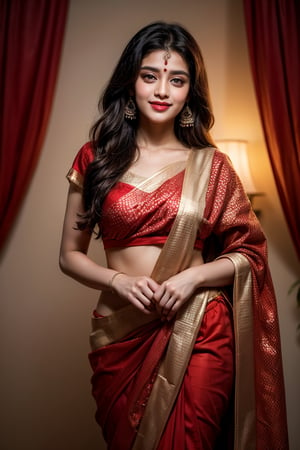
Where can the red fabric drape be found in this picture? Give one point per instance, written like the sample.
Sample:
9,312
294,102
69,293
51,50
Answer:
273,29
31,35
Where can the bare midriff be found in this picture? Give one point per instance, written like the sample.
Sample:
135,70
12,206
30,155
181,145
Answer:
134,261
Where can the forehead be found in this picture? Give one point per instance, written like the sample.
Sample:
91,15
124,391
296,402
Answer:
157,59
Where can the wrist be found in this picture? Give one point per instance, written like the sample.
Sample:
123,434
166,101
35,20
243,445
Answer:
197,276
111,281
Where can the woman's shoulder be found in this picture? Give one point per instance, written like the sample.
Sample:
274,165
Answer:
219,158
221,167
86,152
84,156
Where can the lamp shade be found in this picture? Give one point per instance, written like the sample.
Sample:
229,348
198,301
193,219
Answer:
237,152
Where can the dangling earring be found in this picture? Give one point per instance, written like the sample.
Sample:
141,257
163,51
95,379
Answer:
186,117
130,110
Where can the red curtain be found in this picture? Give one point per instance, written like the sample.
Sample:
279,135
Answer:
273,29
31,35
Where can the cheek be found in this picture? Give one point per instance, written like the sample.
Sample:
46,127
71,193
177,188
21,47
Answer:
182,96
141,89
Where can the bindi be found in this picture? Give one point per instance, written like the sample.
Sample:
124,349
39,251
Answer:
166,57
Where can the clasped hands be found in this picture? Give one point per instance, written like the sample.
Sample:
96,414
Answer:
148,296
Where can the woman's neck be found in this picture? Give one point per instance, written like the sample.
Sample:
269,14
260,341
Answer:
156,136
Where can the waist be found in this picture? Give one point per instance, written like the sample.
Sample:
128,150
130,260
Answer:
140,259
134,261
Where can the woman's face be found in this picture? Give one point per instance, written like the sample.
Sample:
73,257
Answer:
162,86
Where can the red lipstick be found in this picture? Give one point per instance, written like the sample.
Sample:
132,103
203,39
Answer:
160,106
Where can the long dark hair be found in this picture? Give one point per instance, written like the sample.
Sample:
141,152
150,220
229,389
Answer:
114,137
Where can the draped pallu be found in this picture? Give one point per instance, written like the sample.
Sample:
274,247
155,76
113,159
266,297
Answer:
213,201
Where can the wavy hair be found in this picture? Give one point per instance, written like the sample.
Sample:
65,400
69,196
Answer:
114,138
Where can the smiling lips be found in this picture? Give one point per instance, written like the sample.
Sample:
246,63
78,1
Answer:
160,106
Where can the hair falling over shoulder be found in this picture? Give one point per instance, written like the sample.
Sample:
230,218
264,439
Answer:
114,137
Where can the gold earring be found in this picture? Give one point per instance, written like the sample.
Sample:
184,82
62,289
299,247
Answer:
186,117
130,110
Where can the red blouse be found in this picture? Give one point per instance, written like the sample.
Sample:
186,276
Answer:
132,216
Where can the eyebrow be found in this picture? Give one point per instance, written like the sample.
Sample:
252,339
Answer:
172,72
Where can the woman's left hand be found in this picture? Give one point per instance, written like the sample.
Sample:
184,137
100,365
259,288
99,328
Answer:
173,293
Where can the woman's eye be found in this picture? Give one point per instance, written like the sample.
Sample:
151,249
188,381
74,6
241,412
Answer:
148,77
177,81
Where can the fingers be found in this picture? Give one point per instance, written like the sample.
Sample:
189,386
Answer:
169,298
140,291
147,296
166,302
141,298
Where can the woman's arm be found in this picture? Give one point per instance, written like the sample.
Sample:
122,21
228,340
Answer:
74,261
174,292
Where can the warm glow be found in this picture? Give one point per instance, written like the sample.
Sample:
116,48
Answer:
237,152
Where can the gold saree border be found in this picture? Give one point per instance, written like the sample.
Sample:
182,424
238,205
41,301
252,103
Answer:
150,184
116,326
177,252
75,177
245,412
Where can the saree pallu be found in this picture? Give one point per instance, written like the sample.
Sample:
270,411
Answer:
213,201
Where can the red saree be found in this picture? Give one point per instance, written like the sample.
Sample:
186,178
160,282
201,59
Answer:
145,372
204,398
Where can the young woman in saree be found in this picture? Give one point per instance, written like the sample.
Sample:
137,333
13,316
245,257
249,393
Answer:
185,340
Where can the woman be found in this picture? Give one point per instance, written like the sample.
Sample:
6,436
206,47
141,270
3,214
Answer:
178,233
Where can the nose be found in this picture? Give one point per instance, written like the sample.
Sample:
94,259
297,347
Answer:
162,88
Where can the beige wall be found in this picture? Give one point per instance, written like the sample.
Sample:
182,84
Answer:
45,391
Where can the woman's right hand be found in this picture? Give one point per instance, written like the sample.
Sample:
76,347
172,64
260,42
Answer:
136,290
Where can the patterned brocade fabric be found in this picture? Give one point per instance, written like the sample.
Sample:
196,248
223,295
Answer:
229,217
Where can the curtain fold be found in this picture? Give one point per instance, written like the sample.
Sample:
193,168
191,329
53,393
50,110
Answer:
273,31
31,36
